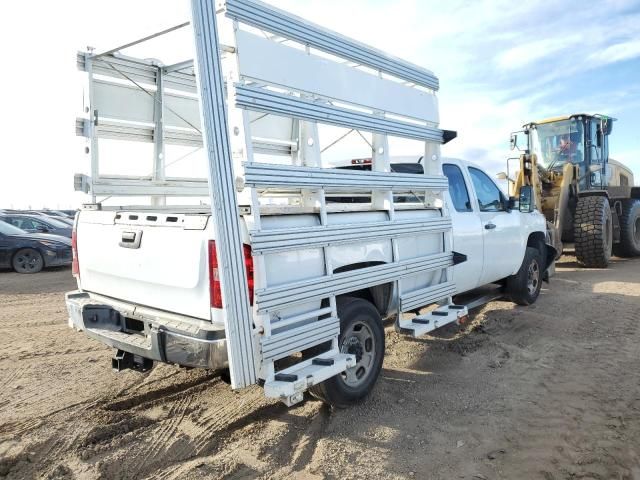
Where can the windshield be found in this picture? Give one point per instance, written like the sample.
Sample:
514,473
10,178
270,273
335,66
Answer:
8,229
557,143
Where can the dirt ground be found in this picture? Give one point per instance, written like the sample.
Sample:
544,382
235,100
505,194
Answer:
551,391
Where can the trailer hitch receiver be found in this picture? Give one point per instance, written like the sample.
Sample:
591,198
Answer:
125,360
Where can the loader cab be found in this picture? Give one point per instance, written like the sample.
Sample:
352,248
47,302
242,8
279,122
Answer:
580,140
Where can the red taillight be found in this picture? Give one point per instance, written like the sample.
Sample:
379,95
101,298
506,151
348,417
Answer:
75,265
214,274
248,265
214,277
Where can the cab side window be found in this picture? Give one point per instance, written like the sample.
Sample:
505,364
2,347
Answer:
490,197
457,188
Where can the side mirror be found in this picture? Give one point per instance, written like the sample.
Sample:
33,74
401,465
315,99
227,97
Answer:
514,141
42,229
526,199
608,126
516,137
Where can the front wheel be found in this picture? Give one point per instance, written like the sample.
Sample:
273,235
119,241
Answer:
28,260
361,334
524,287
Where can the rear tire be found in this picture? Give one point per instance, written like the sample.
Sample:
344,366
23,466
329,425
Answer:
629,245
27,260
593,232
524,287
362,334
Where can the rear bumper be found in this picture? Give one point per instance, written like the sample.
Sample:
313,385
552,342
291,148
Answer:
149,333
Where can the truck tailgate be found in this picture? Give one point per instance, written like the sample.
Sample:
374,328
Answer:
147,258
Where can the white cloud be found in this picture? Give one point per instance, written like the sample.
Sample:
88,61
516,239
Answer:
529,53
617,53
494,77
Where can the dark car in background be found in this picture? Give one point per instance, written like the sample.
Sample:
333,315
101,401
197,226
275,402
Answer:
37,224
60,215
31,252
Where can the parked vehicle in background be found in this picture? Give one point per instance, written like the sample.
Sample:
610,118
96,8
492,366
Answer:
59,215
31,252
587,197
70,213
38,224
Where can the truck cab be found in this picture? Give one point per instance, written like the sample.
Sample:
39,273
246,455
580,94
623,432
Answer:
489,228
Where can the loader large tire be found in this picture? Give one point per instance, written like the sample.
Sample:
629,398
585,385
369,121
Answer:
629,245
593,232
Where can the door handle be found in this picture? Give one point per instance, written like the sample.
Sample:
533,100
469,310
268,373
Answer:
131,239
489,226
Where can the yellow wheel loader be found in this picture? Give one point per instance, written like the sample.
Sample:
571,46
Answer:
587,198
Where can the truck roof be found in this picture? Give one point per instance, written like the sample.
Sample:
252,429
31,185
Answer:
567,117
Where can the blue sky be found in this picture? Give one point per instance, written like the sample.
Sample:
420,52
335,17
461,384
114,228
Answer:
501,64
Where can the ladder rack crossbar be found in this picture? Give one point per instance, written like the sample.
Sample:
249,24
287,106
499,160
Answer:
294,340
420,298
272,241
279,22
267,175
269,101
273,298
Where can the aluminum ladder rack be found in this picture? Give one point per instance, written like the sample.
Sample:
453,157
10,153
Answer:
279,325
292,80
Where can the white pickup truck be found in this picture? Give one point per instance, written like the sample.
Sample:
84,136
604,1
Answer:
147,281
287,278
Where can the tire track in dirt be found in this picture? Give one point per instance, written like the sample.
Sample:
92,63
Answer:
555,395
573,418
163,437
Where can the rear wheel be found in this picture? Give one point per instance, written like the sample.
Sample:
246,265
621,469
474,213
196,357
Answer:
524,287
361,334
593,232
27,260
629,245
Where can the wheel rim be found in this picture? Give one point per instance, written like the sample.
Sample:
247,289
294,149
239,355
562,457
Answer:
27,261
533,277
358,340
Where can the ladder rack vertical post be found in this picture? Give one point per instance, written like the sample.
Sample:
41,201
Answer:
159,173
224,204
432,166
382,199
93,135
310,156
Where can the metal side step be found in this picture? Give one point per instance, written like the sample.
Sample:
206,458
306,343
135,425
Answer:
441,316
289,385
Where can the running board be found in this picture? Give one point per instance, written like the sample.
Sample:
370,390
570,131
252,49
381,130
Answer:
289,385
441,316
